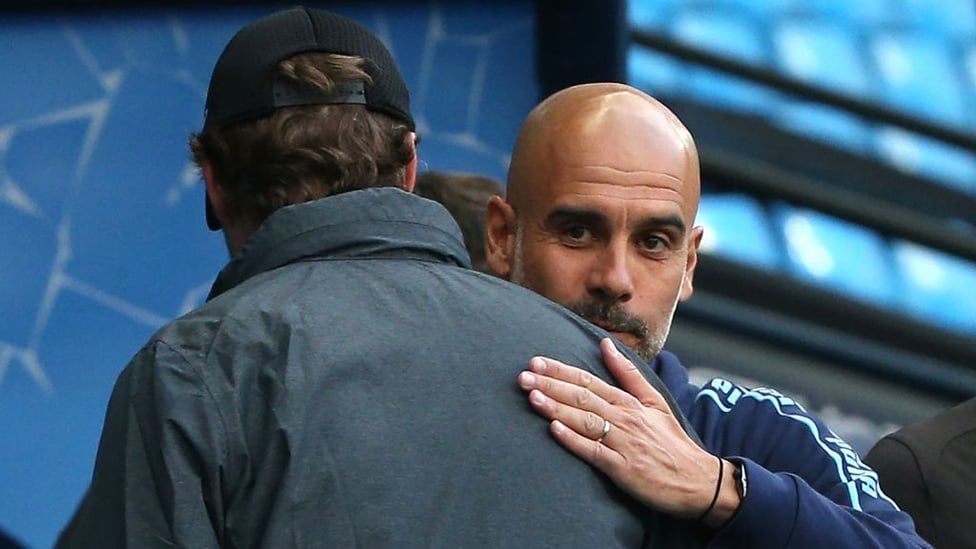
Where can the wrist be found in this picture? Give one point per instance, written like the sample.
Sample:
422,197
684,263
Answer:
731,490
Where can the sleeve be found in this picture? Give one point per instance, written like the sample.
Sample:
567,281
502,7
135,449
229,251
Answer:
901,478
156,476
807,487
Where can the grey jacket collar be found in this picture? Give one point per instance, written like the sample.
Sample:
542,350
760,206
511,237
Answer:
384,222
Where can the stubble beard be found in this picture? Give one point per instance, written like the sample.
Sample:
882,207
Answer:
612,316
518,271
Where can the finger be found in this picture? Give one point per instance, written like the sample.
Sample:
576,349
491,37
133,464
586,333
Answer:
629,377
585,423
554,369
602,456
605,431
570,394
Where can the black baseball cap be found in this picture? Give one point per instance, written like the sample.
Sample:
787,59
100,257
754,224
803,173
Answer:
243,85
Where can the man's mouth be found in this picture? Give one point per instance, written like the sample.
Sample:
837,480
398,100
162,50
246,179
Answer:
611,327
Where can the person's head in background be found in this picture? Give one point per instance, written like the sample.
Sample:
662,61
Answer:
466,196
599,214
311,125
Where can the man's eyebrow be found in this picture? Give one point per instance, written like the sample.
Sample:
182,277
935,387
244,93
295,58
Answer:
595,218
658,222
586,216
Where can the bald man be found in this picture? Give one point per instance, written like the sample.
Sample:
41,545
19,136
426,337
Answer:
599,216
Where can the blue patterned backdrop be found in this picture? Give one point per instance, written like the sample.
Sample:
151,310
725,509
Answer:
103,238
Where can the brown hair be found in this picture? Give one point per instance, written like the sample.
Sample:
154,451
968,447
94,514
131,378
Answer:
466,197
302,153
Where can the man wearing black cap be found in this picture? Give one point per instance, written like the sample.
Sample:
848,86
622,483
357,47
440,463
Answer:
303,405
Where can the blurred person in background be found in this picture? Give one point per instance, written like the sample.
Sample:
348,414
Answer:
929,469
599,214
301,405
466,197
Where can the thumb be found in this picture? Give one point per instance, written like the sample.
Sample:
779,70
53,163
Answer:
627,375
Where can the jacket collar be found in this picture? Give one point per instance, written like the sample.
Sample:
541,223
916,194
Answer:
385,222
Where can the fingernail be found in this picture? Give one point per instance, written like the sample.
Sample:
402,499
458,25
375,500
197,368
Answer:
613,348
537,397
538,364
558,427
526,379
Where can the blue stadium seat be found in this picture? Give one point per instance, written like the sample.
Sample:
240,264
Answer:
863,13
918,74
651,71
952,18
731,34
648,14
837,254
969,72
937,287
760,8
738,228
935,160
822,52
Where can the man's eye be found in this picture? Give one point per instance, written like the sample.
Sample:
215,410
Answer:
577,232
654,244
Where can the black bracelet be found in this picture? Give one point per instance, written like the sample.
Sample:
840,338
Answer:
718,488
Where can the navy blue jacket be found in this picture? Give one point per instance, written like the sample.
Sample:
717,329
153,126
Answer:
807,487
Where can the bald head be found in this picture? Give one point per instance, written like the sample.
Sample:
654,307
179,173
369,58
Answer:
605,126
603,190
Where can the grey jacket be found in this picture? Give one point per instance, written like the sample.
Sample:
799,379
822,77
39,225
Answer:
351,383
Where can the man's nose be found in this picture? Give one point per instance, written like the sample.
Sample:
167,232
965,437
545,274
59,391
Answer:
610,277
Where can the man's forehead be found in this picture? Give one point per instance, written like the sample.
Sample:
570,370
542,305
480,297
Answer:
620,143
642,141
605,196
637,181
611,191
628,175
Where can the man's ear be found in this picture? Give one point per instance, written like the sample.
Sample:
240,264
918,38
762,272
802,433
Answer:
410,172
694,241
215,194
500,230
